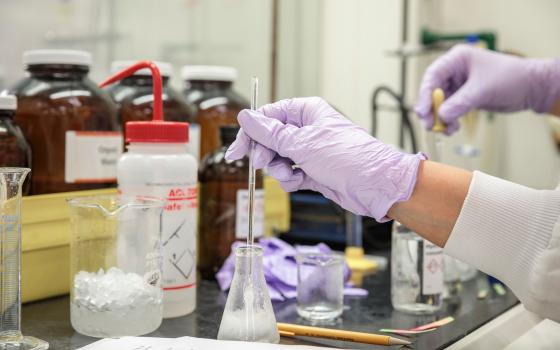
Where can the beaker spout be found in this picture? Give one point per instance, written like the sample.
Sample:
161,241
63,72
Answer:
248,314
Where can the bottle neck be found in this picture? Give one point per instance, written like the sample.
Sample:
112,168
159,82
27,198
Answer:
142,80
156,148
208,85
58,71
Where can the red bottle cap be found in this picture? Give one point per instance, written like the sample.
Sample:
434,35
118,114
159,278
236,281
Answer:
157,130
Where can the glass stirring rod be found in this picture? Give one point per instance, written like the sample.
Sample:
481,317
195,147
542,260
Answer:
252,171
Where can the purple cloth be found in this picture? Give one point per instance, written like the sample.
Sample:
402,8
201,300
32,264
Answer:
280,268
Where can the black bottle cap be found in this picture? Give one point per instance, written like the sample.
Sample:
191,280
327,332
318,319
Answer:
228,133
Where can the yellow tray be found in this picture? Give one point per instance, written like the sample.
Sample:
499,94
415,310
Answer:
46,237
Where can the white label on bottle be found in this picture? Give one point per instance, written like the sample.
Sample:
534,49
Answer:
91,156
193,147
242,214
432,265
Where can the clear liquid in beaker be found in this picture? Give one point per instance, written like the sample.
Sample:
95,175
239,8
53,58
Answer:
114,304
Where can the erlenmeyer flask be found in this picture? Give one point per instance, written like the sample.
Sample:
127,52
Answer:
248,315
11,180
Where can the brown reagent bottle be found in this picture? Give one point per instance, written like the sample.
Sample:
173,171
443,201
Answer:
14,149
134,99
68,121
223,205
209,89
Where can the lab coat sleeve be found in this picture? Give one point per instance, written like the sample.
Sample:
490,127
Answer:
512,232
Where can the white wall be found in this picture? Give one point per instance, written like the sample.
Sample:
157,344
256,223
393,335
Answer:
225,32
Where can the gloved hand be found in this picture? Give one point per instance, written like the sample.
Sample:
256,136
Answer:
474,78
332,155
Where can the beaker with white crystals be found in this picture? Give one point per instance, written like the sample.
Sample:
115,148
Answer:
11,180
416,273
115,265
248,314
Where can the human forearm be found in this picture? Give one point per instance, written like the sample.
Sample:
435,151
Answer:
436,202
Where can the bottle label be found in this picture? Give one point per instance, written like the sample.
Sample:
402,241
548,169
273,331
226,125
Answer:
193,147
432,268
91,156
179,225
178,229
242,214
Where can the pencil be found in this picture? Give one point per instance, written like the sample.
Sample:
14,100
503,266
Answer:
292,330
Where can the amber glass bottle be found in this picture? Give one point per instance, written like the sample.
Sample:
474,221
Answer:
68,121
14,149
223,205
133,96
209,89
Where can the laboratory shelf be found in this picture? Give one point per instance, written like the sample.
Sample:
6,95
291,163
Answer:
50,319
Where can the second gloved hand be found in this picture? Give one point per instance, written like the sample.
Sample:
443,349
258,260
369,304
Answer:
474,78
307,145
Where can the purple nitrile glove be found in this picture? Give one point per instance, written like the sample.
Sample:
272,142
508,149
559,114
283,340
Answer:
307,144
474,78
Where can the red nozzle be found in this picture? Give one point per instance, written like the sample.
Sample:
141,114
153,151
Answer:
156,79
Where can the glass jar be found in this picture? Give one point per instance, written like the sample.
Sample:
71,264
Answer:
224,205
65,116
14,149
209,89
416,273
134,99
115,265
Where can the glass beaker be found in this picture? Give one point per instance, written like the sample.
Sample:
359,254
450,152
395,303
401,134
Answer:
115,265
11,180
416,273
320,287
248,315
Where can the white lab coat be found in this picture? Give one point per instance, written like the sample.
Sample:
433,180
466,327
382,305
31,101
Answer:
512,232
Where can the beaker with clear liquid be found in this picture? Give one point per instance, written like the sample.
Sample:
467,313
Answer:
416,273
11,180
248,315
115,265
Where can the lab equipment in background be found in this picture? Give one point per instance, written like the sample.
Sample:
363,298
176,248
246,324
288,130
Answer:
416,273
251,182
355,250
115,265
320,286
14,149
430,38
280,268
134,99
209,89
64,116
439,127
248,314
157,164
11,180
224,204
455,271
